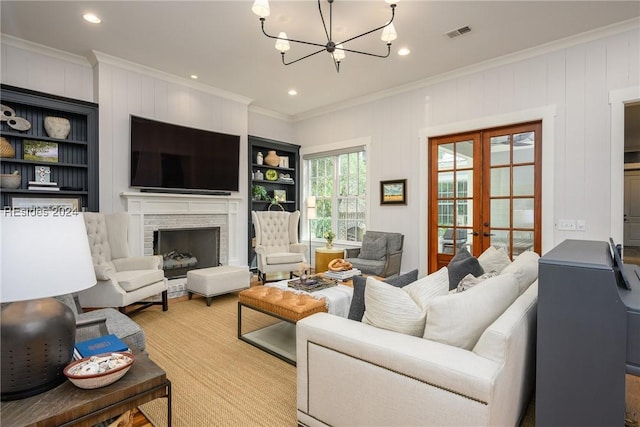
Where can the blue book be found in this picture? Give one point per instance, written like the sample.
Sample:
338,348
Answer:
100,345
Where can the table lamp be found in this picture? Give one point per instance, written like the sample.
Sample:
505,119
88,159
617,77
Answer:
311,214
41,256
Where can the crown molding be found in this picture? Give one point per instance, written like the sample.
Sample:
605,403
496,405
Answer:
270,113
44,50
554,46
96,58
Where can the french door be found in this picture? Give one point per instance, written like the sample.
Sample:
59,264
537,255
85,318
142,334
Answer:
485,190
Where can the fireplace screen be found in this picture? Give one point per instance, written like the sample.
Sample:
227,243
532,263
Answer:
185,249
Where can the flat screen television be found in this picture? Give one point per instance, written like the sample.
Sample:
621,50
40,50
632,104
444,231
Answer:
169,157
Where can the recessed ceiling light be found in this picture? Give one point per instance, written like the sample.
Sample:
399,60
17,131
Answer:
92,18
194,77
292,92
404,51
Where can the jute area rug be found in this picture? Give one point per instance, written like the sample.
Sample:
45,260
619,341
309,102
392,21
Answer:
217,380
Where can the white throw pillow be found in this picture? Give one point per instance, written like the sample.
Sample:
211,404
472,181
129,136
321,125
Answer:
525,268
494,259
424,290
402,309
459,319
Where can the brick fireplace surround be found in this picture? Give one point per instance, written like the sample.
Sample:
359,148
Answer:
150,212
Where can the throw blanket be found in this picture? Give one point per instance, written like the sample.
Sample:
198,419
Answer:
338,298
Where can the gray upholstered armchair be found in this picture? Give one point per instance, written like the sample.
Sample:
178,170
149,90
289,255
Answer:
105,321
380,254
277,247
122,279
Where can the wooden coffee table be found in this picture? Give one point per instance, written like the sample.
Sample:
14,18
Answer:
68,405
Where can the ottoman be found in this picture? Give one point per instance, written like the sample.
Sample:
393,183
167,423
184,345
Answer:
289,307
213,281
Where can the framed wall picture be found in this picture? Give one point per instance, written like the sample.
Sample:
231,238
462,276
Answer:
280,195
55,204
40,151
393,192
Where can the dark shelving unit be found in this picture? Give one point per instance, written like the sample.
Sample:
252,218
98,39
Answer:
291,188
77,165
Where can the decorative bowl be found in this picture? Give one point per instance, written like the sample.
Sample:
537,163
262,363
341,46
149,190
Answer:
57,127
10,181
83,373
6,149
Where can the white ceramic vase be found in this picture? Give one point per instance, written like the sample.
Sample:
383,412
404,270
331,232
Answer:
57,127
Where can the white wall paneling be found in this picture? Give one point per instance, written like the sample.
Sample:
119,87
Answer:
568,86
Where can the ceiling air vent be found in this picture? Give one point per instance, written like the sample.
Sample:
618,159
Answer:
460,31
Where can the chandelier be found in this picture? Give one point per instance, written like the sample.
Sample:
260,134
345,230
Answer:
336,50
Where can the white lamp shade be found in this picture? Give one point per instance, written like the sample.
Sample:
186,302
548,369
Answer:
311,213
282,44
261,8
389,33
43,255
338,54
311,201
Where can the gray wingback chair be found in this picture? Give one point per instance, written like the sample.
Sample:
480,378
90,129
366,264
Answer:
277,247
105,321
380,254
122,279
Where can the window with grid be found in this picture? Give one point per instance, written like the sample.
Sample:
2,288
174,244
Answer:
338,180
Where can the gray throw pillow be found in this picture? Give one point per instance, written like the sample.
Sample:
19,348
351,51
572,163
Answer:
461,264
356,310
373,248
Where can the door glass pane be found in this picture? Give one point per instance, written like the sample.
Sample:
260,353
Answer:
445,212
522,181
523,213
445,157
464,186
523,147
465,213
522,241
464,154
500,239
500,213
500,150
444,240
445,185
500,182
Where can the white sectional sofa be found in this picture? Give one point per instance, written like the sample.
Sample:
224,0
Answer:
355,374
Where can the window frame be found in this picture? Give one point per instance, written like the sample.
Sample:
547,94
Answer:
334,150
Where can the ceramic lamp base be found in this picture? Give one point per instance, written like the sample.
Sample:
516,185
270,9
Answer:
37,343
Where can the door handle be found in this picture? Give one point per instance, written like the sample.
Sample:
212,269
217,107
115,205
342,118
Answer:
487,234
475,233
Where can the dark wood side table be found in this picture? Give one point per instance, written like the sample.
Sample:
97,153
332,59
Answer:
68,405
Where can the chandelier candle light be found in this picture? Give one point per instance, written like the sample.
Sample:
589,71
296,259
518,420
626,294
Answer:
336,50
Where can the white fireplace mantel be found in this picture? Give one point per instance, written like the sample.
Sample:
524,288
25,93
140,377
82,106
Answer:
139,204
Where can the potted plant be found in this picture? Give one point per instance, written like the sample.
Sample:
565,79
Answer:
329,236
259,193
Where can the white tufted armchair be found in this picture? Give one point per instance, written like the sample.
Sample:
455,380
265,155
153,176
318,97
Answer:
122,279
277,247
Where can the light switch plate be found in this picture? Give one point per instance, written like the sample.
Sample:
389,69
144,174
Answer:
567,224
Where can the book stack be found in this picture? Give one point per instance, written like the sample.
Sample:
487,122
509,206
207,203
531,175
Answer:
342,275
43,186
311,284
100,345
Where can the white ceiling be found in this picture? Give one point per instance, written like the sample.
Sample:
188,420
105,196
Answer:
222,43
